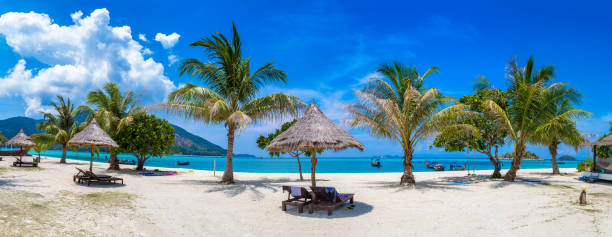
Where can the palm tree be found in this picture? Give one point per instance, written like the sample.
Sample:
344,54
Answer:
395,109
63,125
532,104
43,142
560,126
230,95
113,111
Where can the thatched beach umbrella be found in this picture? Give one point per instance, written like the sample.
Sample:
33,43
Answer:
21,140
92,136
606,141
313,132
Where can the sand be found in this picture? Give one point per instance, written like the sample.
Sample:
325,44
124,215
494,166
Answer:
46,202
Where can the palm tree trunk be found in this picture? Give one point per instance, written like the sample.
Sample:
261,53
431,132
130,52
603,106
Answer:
553,152
516,165
228,174
407,178
114,162
63,159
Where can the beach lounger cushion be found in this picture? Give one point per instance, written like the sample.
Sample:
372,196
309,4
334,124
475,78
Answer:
297,196
327,198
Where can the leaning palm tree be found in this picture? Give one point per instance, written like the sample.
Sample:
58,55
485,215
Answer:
560,125
394,109
113,111
531,107
63,125
230,95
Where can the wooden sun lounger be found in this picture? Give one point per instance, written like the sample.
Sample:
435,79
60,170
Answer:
89,177
299,201
24,164
330,205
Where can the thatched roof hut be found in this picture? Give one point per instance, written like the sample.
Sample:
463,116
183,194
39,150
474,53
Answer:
21,140
313,132
606,141
92,136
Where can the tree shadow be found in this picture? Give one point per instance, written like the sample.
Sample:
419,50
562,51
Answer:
17,181
254,186
360,208
420,185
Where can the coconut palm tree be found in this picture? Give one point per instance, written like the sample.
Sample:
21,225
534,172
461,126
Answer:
395,109
560,126
230,95
63,125
113,111
532,104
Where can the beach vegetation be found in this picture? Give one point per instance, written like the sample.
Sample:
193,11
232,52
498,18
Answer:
2,137
264,141
113,110
398,107
560,123
43,142
61,124
145,137
229,96
533,103
492,134
585,165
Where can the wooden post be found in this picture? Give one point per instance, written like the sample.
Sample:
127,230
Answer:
313,180
593,169
215,167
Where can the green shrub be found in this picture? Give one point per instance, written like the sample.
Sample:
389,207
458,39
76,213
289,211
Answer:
581,164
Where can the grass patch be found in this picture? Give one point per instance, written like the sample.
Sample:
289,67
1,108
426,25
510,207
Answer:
591,210
117,199
3,170
559,186
27,168
600,194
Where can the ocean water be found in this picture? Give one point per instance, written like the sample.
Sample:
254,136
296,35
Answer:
324,164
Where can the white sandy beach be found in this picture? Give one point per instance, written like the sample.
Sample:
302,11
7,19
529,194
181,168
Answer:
46,202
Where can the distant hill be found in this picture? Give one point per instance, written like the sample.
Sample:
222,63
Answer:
186,143
567,157
526,156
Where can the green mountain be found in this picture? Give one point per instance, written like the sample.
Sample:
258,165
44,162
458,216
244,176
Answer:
186,143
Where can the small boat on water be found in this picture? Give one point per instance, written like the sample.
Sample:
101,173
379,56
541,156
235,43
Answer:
457,167
435,165
375,163
182,163
127,162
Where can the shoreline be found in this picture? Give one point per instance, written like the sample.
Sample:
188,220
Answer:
296,172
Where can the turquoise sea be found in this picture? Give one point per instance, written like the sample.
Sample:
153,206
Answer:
324,165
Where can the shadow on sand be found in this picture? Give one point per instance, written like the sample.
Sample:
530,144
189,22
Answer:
241,186
360,208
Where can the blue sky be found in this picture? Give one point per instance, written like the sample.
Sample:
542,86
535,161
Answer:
327,48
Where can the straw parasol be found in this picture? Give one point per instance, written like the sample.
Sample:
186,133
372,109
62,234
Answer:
606,141
313,132
92,136
21,140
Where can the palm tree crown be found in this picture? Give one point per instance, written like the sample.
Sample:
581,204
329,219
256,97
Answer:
62,125
230,95
395,109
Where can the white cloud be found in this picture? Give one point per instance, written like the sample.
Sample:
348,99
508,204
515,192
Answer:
147,51
142,37
172,58
167,41
80,57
